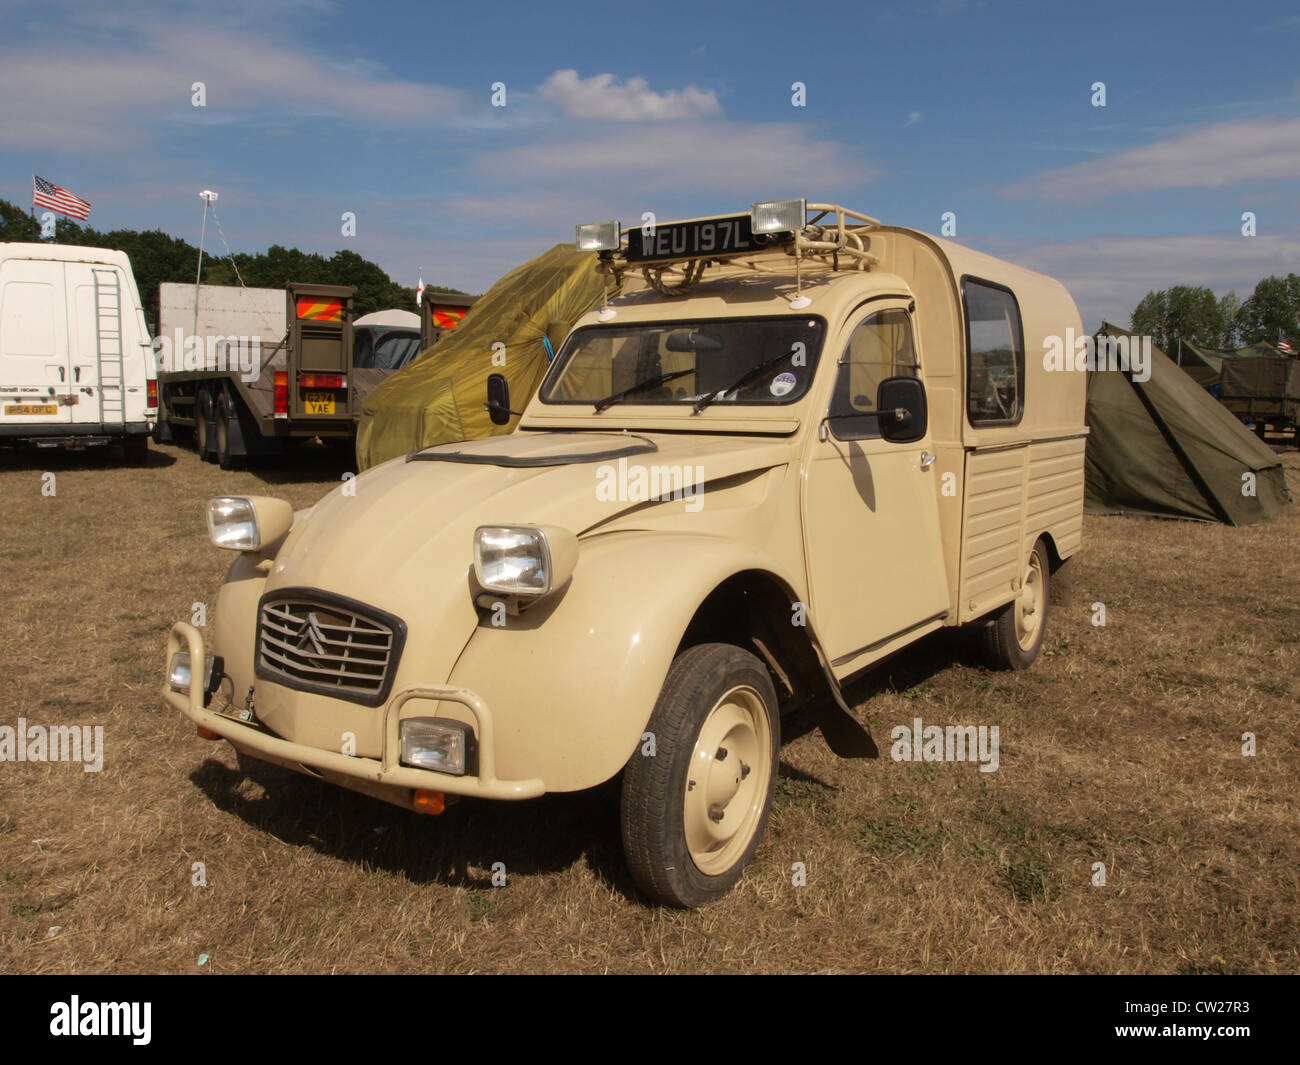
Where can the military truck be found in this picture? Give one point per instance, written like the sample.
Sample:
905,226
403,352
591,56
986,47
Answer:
441,312
240,395
791,442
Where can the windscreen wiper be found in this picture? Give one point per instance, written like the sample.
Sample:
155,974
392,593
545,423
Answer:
745,378
652,382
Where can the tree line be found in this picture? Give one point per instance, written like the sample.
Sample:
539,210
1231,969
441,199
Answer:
1271,313
157,257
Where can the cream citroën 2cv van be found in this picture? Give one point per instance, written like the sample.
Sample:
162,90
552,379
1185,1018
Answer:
791,442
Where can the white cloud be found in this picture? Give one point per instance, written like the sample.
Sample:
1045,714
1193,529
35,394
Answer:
1228,153
1109,275
913,117
104,98
603,96
756,160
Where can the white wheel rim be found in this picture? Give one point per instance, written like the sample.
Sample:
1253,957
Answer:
727,780
1029,607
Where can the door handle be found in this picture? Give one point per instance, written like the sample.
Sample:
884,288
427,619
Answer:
927,460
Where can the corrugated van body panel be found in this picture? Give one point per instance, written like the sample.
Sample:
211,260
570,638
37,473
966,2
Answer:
1055,504
993,517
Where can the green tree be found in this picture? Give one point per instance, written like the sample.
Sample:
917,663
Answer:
1229,308
17,225
157,257
1272,312
1184,312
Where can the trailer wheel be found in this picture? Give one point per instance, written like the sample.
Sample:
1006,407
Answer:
225,459
202,414
1014,638
694,811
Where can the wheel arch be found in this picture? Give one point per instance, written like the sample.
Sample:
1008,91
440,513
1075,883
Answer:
573,680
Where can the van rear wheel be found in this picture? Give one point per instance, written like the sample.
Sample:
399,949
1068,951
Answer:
694,811
1014,638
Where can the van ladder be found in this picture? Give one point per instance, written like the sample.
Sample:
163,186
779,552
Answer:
108,346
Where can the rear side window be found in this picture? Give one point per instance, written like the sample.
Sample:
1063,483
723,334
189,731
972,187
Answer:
995,346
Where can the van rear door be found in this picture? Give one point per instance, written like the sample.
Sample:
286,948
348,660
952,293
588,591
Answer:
35,373
99,325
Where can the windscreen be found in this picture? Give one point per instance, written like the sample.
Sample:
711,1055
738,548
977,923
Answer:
745,361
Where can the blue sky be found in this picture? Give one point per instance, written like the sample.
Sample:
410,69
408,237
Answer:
314,108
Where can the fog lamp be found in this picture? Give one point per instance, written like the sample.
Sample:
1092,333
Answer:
435,743
599,236
778,216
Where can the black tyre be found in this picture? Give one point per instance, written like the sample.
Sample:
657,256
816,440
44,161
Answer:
225,459
693,813
202,418
1013,639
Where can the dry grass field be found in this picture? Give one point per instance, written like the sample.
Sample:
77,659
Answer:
1122,745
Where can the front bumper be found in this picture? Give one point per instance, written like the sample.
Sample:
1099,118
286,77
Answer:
369,773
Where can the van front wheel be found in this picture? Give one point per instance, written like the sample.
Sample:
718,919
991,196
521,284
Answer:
697,790
1015,636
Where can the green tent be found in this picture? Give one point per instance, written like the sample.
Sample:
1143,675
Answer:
1166,448
439,396
1202,364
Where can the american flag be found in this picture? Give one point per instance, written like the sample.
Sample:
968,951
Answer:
47,194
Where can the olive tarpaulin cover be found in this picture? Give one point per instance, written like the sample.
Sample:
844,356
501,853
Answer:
1165,447
439,396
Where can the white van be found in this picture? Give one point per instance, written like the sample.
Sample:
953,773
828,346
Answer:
77,367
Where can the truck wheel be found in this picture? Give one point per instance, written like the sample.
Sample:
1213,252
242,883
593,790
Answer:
202,413
225,459
693,812
1013,639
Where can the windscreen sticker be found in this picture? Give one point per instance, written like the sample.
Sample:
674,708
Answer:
782,383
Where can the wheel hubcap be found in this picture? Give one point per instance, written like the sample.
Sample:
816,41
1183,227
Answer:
1029,607
726,785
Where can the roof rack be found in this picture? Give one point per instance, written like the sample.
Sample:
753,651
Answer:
820,235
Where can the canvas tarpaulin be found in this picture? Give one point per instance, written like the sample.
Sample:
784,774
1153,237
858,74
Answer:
1201,364
439,396
1166,448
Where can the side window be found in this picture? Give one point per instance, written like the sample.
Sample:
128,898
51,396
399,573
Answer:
995,345
880,347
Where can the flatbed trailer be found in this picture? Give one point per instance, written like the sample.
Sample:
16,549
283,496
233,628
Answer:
238,397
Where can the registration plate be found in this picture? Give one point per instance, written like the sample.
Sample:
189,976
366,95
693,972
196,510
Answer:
32,408
318,402
684,240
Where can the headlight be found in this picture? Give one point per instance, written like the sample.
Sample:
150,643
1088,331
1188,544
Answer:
528,560
178,672
247,523
433,743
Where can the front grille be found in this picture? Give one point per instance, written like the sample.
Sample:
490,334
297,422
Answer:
327,644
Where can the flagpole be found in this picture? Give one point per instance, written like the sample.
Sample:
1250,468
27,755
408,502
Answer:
207,196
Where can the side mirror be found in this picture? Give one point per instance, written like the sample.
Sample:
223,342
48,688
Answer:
498,399
904,416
